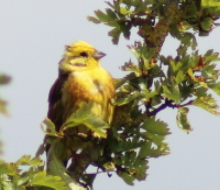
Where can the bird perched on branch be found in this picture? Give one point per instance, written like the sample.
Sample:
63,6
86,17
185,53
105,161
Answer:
81,80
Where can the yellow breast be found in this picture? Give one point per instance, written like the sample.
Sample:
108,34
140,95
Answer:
94,85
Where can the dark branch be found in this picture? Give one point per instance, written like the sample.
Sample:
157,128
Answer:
168,103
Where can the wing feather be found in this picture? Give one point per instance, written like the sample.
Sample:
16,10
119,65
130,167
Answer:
55,102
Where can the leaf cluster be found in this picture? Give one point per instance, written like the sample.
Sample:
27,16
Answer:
157,82
156,18
27,174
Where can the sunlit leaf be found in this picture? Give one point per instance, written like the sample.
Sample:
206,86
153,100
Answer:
208,103
180,77
51,181
182,120
8,168
210,3
215,87
83,117
125,100
125,11
27,160
97,125
50,128
172,93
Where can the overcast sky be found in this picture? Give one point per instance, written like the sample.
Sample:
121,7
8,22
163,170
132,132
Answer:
32,39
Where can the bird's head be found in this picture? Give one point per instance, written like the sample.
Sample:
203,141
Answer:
80,56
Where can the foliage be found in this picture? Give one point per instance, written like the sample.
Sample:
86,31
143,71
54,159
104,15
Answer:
157,82
27,173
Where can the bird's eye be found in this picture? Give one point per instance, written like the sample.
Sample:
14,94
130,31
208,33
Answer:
84,54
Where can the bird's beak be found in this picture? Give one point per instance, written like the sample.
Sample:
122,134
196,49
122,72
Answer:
98,54
67,47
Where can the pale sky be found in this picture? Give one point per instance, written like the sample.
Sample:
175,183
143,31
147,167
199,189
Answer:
32,39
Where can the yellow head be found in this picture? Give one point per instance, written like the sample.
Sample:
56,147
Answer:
80,56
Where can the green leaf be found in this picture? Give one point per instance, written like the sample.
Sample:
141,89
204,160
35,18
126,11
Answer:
6,184
83,116
50,128
215,87
206,24
26,176
56,168
102,16
78,117
208,103
156,126
115,34
130,66
145,150
42,179
189,39
111,14
8,168
172,93
125,11
128,178
156,131
27,160
201,92
182,120
22,188
125,100
97,125
210,3
149,150
93,19
156,139
180,77
191,12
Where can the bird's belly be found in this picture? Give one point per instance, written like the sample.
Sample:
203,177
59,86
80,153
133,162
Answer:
81,88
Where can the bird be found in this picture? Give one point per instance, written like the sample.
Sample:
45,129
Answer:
81,79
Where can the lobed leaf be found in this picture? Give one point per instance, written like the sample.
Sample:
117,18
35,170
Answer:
27,160
102,16
208,103
83,117
182,120
8,168
172,93
42,179
50,128
93,19
215,87
156,126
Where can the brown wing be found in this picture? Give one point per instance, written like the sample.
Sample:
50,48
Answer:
55,104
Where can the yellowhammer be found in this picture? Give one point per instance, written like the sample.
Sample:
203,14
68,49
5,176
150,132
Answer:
81,80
